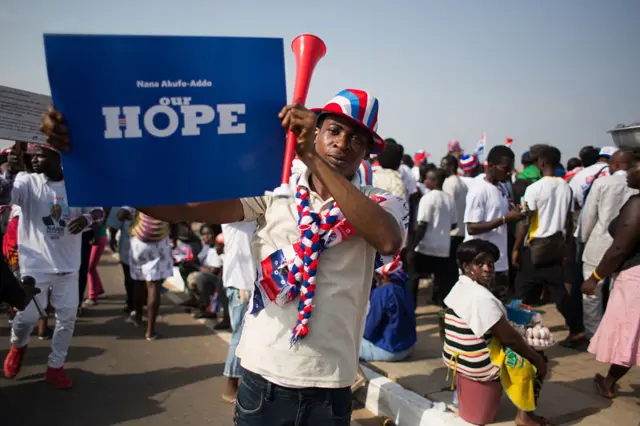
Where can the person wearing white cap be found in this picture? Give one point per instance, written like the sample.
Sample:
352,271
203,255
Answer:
581,183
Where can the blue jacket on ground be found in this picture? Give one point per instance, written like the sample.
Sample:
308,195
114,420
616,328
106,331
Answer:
391,321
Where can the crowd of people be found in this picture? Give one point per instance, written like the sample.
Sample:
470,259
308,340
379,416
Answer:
333,274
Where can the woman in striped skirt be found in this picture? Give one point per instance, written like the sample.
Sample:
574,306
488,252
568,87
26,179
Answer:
150,263
474,316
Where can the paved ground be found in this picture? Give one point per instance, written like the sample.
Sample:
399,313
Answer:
121,379
569,396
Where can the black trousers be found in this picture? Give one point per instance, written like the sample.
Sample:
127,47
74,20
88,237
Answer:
85,255
423,266
530,279
576,280
128,286
452,273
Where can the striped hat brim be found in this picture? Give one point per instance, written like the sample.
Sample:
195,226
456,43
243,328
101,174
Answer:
378,142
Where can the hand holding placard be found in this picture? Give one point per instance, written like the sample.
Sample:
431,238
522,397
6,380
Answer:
53,127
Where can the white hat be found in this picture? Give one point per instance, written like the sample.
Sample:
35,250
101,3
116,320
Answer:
607,151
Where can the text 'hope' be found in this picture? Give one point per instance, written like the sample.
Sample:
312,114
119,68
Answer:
194,116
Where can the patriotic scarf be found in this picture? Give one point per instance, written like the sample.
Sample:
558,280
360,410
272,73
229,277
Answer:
182,252
393,271
291,271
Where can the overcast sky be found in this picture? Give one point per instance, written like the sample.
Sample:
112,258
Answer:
561,72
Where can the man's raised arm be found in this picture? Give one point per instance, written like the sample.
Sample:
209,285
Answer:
214,212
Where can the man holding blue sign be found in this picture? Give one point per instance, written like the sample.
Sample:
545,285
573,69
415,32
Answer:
327,236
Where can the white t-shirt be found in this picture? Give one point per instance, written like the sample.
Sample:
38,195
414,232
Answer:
550,200
581,182
475,305
408,179
438,210
469,181
415,172
239,269
15,211
44,242
423,189
455,186
487,202
208,256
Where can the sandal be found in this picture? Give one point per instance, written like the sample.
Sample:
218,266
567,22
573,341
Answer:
133,320
602,389
541,421
152,337
572,343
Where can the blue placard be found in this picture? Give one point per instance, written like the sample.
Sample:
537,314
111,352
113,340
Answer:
157,120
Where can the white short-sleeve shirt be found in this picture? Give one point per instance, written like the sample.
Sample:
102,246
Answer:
239,270
475,305
438,210
457,188
45,244
208,256
487,202
550,199
408,179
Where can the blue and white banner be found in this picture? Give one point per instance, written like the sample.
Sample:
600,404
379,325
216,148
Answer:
158,120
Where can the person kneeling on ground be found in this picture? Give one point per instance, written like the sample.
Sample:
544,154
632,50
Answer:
206,281
390,328
481,345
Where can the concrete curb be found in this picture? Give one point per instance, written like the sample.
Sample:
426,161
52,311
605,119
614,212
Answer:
381,396
385,398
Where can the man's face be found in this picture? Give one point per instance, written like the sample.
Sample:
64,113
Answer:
207,236
447,166
56,212
46,161
342,144
502,171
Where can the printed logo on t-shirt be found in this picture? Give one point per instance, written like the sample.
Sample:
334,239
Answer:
56,222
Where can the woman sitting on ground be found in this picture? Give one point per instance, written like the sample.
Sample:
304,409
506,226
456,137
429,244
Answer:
390,327
480,344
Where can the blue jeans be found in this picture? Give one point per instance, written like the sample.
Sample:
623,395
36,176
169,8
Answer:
237,309
371,352
262,403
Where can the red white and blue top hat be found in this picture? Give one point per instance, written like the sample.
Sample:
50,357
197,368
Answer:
468,162
359,106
